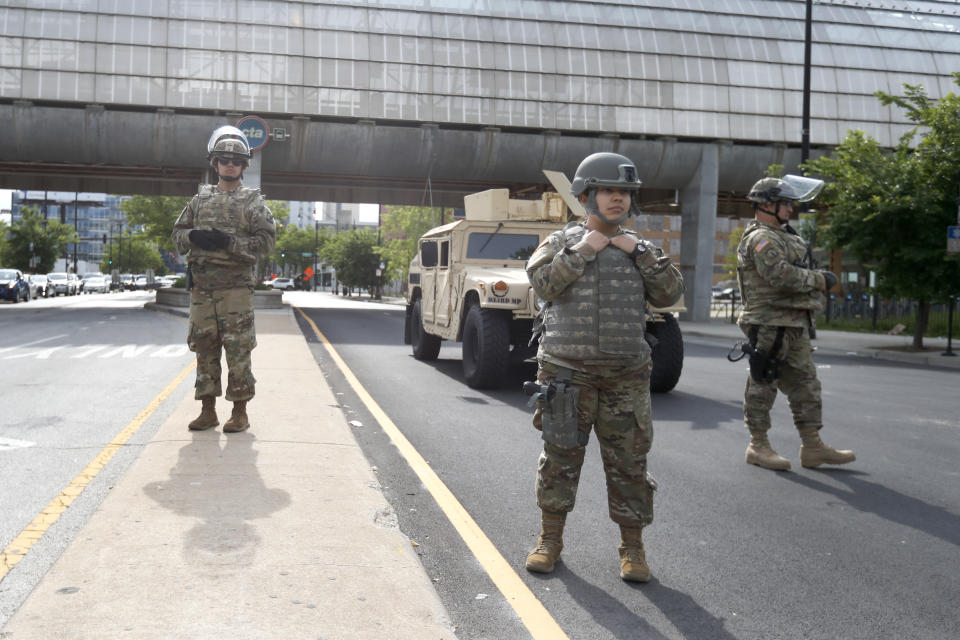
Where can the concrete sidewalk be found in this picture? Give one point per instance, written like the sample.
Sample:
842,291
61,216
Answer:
278,532
845,343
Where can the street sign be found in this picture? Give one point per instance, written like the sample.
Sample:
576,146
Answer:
256,129
953,239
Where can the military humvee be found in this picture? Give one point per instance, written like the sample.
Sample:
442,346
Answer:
467,283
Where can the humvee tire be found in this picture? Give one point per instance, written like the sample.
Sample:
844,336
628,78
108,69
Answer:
425,345
486,347
667,354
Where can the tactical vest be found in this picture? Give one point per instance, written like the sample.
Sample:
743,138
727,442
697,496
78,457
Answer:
230,212
600,316
764,303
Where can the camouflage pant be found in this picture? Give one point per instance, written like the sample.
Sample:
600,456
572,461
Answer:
615,404
222,319
798,380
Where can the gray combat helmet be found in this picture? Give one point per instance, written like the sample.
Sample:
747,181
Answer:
605,169
793,188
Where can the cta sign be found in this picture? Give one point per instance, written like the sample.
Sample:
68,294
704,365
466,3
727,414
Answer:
257,131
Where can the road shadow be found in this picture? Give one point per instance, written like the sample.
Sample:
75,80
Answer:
604,609
891,505
701,413
692,620
216,481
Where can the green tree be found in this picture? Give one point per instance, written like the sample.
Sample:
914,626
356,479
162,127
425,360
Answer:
3,241
295,247
47,237
402,228
355,257
891,208
156,215
133,254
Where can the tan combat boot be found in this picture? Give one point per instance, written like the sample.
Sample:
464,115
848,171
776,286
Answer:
549,544
238,418
814,453
760,453
207,417
633,559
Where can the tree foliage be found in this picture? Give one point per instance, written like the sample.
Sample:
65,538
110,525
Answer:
156,215
355,257
48,237
891,208
132,254
295,248
402,228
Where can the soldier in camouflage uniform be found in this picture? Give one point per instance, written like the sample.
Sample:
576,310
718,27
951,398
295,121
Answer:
780,294
596,278
223,231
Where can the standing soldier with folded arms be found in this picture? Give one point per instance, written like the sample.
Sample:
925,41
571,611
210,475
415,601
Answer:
224,229
780,293
596,278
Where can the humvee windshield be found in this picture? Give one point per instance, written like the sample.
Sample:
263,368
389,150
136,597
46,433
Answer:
501,246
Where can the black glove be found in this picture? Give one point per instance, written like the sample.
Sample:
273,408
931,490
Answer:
830,278
209,239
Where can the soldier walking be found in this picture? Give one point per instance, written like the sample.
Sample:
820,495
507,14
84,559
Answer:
224,229
780,294
594,361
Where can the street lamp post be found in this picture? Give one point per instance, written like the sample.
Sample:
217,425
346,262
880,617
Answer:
316,245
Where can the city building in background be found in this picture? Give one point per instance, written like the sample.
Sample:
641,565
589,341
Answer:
97,218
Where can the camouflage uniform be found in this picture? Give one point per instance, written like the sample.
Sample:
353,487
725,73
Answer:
595,326
779,291
221,300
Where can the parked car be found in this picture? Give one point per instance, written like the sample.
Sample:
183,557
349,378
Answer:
140,283
40,287
13,286
126,282
94,283
61,283
76,284
284,284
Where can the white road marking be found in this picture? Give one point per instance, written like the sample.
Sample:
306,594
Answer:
102,351
30,344
10,443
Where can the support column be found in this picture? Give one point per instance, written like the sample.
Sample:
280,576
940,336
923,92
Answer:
698,201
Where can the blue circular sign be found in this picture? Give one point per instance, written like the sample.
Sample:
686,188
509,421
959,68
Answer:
256,129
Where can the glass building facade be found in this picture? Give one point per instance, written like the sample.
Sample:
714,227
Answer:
696,69
95,216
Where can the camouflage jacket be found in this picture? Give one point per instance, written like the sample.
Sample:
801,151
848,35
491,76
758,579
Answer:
556,275
241,214
776,286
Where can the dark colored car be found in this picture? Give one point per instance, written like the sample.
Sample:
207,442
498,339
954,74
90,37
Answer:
13,286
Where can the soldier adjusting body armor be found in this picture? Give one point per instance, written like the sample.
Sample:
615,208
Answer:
596,279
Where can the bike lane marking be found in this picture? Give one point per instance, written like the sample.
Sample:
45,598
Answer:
21,545
528,607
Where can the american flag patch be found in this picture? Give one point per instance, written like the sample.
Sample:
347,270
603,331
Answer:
761,245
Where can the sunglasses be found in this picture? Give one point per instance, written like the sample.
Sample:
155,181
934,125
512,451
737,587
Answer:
236,163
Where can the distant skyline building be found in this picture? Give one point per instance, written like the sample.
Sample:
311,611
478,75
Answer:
97,217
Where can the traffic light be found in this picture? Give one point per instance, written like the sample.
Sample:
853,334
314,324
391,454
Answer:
283,254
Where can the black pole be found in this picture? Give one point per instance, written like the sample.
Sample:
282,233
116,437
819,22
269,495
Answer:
807,47
949,351
805,132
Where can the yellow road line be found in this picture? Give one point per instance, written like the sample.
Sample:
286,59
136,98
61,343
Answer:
20,545
533,614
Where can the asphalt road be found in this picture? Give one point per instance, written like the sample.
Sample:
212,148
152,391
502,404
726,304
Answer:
75,371
866,551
